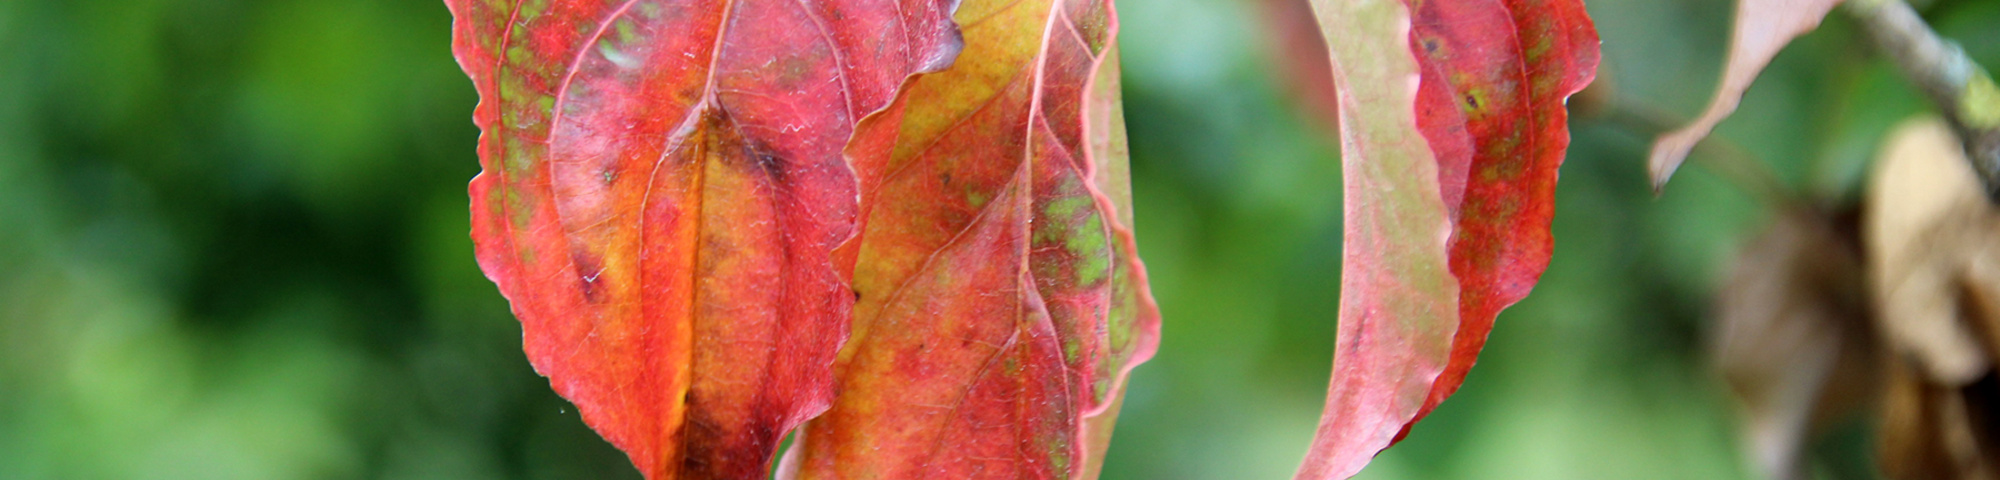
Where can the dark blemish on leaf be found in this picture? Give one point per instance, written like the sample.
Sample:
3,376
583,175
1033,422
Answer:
727,138
1431,46
718,446
1471,101
773,165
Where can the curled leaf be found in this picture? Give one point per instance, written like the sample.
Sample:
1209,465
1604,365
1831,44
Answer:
1001,300
1763,27
663,187
1398,300
1458,142
1495,80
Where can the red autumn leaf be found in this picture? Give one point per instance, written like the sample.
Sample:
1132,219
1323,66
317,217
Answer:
1495,80
1763,27
1489,81
663,188
1001,301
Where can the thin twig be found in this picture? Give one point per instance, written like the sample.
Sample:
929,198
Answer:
1941,69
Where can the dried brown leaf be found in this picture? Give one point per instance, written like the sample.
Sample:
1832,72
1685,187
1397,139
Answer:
1934,246
1927,222
1930,431
1792,337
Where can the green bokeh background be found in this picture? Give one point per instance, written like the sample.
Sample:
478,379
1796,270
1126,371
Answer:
233,246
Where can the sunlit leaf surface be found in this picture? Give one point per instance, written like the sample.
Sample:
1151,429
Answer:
663,188
1001,300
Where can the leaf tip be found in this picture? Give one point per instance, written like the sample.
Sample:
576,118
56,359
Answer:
1668,154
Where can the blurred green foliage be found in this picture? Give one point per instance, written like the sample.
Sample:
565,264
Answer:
233,246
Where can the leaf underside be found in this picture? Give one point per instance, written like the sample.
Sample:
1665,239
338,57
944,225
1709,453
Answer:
1450,154
1000,299
663,187
1763,27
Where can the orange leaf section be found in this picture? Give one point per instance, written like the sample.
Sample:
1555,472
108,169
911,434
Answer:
663,187
1491,80
1001,301
1763,27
